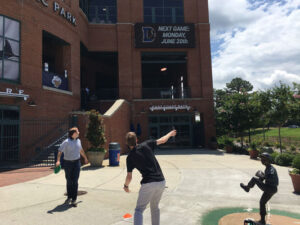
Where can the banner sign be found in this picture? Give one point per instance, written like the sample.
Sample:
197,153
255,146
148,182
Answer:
168,107
55,81
164,35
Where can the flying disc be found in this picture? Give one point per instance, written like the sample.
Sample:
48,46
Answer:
57,169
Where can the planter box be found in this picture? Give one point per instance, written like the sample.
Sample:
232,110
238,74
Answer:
296,182
95,158
228,148
253,154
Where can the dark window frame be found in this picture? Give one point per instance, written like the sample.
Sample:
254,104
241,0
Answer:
17,81
175,19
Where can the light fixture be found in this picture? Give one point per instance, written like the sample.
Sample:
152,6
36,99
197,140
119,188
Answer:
31,103
163,69
104,9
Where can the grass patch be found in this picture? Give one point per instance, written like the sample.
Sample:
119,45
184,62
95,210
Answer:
212,217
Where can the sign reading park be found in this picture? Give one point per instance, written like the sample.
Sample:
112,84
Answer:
164,35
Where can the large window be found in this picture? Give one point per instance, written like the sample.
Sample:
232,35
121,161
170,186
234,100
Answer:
9,49
102,11
163,11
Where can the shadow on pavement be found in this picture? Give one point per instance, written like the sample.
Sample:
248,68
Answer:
61,208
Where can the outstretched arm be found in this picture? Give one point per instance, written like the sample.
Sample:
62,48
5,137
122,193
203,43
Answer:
165,138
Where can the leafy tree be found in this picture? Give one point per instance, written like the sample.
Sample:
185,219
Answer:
265,102
239,85
282,105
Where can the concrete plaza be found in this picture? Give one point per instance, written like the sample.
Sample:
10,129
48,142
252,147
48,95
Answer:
197,181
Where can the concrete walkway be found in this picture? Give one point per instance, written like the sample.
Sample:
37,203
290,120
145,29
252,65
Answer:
197,181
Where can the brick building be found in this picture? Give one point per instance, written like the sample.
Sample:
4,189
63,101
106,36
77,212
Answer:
59,56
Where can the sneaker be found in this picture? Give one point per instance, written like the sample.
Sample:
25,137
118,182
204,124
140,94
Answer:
244,187
68,201
74,203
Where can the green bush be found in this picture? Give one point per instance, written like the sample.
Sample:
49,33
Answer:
95,132
274,155
277,145
253,145
284,159
296,162
293,148
266,144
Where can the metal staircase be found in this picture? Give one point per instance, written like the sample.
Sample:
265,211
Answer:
47,155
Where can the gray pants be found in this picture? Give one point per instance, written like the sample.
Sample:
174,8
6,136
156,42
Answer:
150,192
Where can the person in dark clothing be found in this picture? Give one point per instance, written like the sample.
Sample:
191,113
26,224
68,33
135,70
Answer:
153,182
267,182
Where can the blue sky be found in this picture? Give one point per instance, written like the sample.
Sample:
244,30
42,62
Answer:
257,40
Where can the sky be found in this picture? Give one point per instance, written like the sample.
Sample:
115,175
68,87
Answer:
256,40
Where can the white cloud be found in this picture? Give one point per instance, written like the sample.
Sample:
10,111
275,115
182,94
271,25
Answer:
259,43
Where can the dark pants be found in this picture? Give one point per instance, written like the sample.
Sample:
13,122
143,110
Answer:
72,171
268,190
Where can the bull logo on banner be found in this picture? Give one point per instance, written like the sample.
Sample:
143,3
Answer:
149,34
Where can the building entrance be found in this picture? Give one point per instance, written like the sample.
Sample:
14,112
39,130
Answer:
9,134
161,124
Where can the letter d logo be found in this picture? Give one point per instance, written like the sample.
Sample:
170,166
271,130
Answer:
148,34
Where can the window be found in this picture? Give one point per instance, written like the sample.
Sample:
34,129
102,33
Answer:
84,5
9,49
102,11
163,11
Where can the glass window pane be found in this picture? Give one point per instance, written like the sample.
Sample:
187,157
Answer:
11,49
159,12
153,3
173,3
1,25
147,19
168,19
180,19
11,70
168,11
12,29
147,11
179,11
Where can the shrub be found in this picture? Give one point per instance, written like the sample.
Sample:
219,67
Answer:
284,159
95,132
277,145
274,155
293,148
266,144
253,145
240,150
296,164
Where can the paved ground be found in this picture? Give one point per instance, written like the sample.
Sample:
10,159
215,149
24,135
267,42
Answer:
197,181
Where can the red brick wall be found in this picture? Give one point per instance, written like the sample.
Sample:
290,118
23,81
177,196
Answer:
116,126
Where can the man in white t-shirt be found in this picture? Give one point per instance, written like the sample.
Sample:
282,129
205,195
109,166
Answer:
72,150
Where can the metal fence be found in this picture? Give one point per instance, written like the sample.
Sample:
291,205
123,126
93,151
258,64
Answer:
28,140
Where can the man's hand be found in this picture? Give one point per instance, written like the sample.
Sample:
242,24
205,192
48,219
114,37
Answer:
260,174
57,163
126,189
86,161
173,133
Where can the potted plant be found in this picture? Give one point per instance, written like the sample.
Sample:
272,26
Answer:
96,138
228,145
213,143
253,150
295,173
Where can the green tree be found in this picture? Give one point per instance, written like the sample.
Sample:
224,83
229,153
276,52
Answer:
239,85
282,105
264,98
